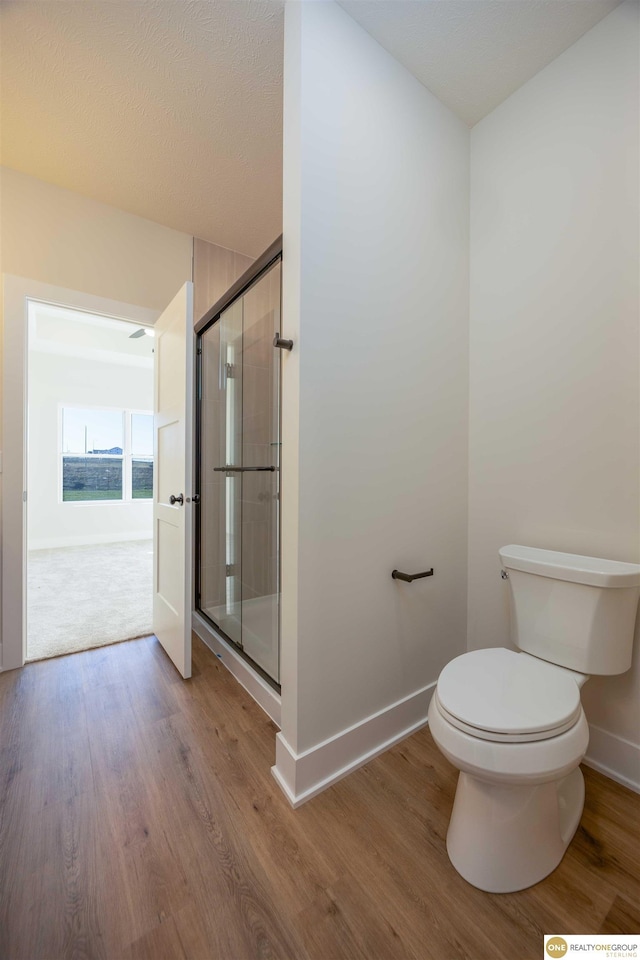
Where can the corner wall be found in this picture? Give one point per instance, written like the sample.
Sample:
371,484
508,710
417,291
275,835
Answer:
375,295
555,341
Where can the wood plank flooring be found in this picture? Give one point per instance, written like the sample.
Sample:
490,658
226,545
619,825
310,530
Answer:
139,821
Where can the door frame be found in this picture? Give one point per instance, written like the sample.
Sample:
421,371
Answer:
16,294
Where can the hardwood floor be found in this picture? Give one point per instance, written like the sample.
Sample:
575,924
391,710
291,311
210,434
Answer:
139,819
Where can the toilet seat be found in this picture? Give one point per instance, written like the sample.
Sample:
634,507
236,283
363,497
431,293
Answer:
537,761
496,737
503,696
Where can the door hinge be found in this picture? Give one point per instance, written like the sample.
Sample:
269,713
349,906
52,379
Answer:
231,370
230,570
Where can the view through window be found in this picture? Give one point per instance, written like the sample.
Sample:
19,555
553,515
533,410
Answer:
106,454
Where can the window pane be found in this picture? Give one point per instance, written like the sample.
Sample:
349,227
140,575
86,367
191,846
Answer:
142,479
91,431
92,478
142,434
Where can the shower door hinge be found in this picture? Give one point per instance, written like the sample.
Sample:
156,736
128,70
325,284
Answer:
230,570
231,370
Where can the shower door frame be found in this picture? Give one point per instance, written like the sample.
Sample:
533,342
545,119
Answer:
258,268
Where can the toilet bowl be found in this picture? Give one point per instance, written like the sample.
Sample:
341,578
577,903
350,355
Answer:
512,721
520,792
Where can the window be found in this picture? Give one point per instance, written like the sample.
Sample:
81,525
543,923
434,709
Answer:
106,454
141,456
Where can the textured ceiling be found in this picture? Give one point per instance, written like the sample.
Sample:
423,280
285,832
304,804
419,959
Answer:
172,109
473,54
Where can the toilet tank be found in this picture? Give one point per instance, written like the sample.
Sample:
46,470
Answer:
577,612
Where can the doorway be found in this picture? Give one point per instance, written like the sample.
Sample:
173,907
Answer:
89,480
18,296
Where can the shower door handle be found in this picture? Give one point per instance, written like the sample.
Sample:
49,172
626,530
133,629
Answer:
241,469
279,341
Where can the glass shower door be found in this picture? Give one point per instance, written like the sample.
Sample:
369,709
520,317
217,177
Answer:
240,470
221,490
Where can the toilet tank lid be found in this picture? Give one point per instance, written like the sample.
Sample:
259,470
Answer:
570,566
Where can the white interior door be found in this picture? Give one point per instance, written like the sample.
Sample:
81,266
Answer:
172,507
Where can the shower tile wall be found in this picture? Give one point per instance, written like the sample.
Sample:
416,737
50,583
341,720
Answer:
215,269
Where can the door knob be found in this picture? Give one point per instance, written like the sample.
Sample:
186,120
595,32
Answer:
179,499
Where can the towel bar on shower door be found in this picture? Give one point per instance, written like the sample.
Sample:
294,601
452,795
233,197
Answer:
241,469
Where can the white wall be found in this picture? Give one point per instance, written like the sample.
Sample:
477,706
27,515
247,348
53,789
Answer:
60,237
56,381
375,391
554,377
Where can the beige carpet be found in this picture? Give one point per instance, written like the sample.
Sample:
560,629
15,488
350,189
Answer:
81,597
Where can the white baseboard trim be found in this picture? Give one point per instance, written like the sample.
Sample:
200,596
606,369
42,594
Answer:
264,695
614,756
89,539
304,775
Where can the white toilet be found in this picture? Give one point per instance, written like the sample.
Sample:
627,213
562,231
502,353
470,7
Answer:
512,722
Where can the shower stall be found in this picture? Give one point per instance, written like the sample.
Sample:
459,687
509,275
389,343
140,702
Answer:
238,465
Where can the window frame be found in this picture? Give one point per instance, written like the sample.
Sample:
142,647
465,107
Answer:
126,457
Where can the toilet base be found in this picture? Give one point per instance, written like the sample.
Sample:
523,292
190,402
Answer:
505,837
